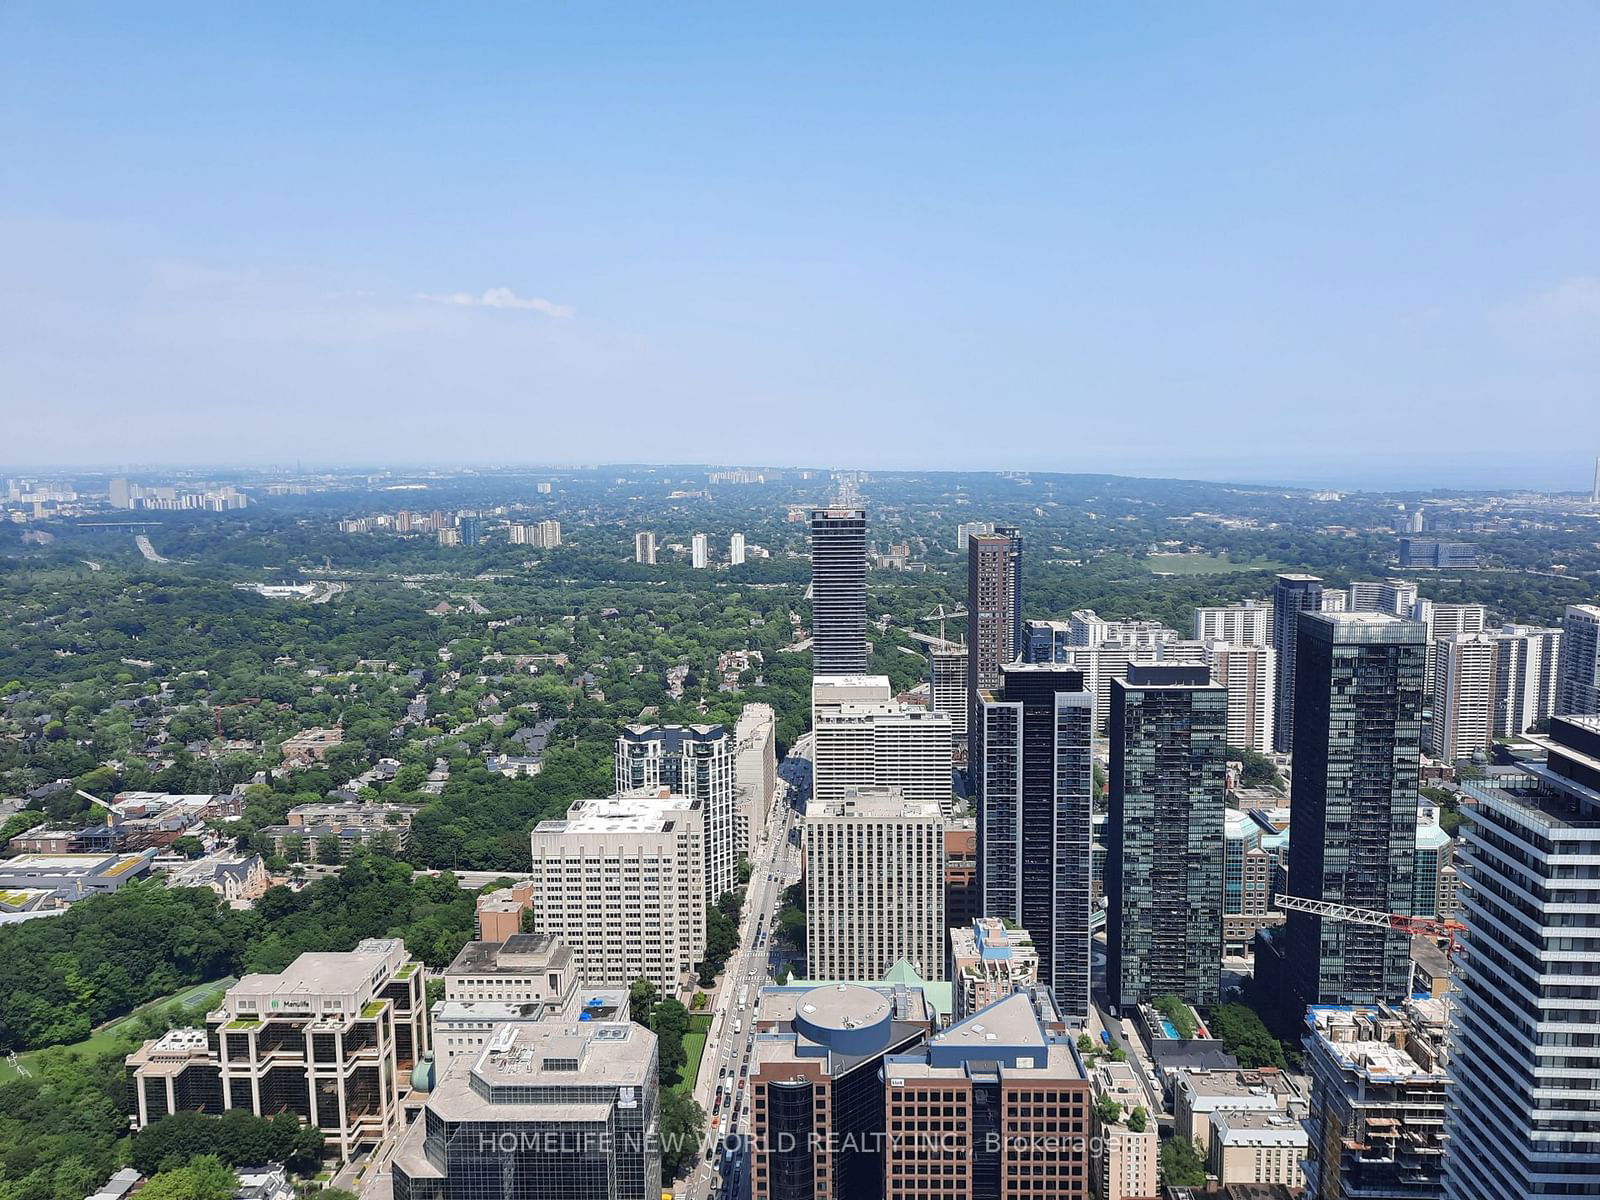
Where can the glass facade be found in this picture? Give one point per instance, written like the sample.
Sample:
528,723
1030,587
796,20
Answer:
1164,833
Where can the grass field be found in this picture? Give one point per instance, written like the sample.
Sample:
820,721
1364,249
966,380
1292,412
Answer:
1204,564
109,1035
694,1048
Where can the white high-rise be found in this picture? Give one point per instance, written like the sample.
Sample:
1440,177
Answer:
1447,620
645,846
755,773
1524,1058
882,745
697,763
1397,596
967,529
1250,673
1247,624
1463,696
1578,676
736,550
1524,677
700,550
644,548
874,885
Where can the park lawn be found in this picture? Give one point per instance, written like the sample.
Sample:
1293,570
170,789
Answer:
694,1049
1204,564
109,1035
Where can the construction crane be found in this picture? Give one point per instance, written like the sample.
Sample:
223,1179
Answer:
1429,927
943,614
111,813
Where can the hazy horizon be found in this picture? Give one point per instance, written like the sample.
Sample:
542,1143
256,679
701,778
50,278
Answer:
1342,247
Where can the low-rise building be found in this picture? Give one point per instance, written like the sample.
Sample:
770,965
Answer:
332,1039
234,877
989,961
1256,1147
1199,1094
499,913
269,1182
1126,1167
71,877
311,745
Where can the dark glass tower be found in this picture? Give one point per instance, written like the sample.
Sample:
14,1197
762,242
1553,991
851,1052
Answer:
839,591
1293,595
1358,720
1164,830
994,608
1035,781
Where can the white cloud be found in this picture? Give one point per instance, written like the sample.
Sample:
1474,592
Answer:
499,297
1562,318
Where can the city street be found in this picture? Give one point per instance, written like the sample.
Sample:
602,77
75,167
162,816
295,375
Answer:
725,1065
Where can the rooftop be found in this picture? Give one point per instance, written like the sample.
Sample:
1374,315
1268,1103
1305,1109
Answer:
643,810
518,954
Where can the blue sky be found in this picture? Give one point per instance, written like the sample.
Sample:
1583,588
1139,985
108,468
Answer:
1353,243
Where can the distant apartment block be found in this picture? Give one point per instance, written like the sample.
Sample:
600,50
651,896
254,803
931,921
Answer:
1431,554
645,846
1525,678
1578,675
1247,624
700,551
874,885
736,550
1249,672
331,1039
644,548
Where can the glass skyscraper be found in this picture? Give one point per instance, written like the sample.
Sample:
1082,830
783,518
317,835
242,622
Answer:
1358,735
839,591
1164,831
1034,775
1293,595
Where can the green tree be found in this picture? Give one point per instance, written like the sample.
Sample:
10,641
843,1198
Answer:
683,1127
1138,1120
642,997
671,1023
1108,1110
1179,1013
1246,1036
206,1178
1181,1164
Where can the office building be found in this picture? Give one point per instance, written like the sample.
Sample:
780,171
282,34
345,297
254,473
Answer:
1395,596
1578,672
1034,776
839,591
947,688
1164,829
736,550
1250,674
855,1096
561,1108
526,977
1247,624
994,607
1431,554
1524,1054
1126,1167
118,494
1525,666
755,774
989,961
1358,716
1291,596
646,846
1433,887
644,548
881,744
1463,696
874,885
1378,1097
332,1039
695,762
700,552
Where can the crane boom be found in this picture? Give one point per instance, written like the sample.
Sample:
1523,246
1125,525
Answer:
1352,915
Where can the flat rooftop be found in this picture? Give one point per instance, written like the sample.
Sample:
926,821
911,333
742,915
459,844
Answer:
517,955
643,810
